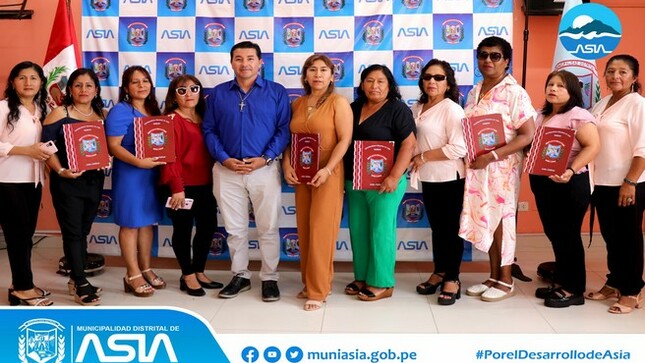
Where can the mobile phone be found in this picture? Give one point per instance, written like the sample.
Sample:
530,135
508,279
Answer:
49,147
188,203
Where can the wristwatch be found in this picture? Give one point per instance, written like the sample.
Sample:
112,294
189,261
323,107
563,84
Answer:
268,160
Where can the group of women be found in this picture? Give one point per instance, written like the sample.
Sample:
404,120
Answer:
474,201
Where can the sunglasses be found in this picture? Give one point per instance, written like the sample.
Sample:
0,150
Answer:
183,90
495,57
436,77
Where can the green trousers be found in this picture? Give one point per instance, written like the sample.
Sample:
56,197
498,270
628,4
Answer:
372,229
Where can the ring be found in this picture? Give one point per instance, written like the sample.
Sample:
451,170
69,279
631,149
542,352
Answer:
629,200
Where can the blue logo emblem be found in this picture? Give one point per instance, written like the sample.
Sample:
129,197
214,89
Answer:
89,146
137,34
293,34
253,5
334,5
100,5
176,5
214,34
175,67
376,166
105,206
452,31
250,354
272,354
41,340
590,31
291,245
411,67
373,32
218,244
412,4
339,68
101,66
294,354
553,151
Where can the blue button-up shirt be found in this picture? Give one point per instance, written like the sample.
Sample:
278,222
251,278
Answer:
261,127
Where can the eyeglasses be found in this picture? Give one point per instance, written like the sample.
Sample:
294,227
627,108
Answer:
436,77
495,56
183,90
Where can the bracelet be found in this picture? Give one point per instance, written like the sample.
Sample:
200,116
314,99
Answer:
422,159
61,170
573,171
630,182
494,155
329,171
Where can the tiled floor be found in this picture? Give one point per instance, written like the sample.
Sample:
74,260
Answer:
405,312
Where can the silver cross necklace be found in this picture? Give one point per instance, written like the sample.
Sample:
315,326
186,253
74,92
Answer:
242,103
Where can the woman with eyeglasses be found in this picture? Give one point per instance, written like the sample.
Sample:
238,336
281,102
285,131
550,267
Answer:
619,194
135,202
562,200
190,177
75,195
22,176
439,165
493,179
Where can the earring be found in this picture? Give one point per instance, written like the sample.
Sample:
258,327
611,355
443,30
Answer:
632,87
127,97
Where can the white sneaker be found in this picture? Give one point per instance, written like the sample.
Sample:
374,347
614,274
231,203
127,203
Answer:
494,294
479,289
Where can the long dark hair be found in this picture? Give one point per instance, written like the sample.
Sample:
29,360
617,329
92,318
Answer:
171,96
97,101
572,84
632,63
452,92
13,100
303,77
393,91
150,103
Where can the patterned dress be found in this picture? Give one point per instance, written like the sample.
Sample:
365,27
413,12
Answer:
491,194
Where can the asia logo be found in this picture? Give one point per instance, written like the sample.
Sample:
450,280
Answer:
100,5
137,34
411,67
452,31
218,244
41,340
412,210
101,66
493,3
253,5
334,5
293,34
373,32
412,4
176,5
590,31
174,68
291,245
339,68
214,34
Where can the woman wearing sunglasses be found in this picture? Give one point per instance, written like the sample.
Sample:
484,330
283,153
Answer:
493,179
190,177
440,166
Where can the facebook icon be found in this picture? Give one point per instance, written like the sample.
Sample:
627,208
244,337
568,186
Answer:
250,354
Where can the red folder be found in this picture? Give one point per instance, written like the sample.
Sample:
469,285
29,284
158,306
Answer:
86,145
154,137
550,151
305,155
483,134
373,161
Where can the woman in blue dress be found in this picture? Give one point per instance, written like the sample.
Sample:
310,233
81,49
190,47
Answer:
135,203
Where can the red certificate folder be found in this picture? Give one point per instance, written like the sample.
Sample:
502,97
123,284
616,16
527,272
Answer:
550,151
483,134
373,161
154,137
305,155
86,145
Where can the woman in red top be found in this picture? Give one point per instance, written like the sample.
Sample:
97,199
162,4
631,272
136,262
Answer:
189,177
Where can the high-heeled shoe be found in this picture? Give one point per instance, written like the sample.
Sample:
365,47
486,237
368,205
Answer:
626,304
143,290
449,298
367,295
71,288
606,292
157,281
14,300
43,292
192,292
84,295
428,288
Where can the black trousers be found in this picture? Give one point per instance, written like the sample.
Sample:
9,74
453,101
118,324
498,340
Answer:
203,215
76,202
443,203
621,228
562,208
19,207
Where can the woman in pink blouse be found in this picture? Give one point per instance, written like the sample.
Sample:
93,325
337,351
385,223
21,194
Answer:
190,177
22,175
562,200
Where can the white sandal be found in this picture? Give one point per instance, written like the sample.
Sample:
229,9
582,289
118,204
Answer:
479,289
494,294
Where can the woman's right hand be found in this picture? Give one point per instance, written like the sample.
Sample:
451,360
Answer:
177,200
35,151
289,174
149,163
416,162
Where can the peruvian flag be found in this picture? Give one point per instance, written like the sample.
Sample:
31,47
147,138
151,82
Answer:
62,56
585,69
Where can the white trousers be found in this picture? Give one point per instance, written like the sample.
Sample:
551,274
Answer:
264,190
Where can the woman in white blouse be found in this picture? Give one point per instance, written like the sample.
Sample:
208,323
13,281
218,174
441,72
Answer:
619,194
22,175
439,165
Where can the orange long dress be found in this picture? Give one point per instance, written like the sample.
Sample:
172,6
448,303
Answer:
318,210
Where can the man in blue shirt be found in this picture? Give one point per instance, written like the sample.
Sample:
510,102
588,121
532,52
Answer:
246,127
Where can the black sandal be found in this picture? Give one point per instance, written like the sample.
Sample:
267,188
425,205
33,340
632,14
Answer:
428,288
86,296
449,298
354,287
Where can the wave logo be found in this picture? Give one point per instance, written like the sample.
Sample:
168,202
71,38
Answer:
41,340
590,31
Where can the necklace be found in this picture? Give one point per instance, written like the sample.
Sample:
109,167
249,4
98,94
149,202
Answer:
242,104
82,113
